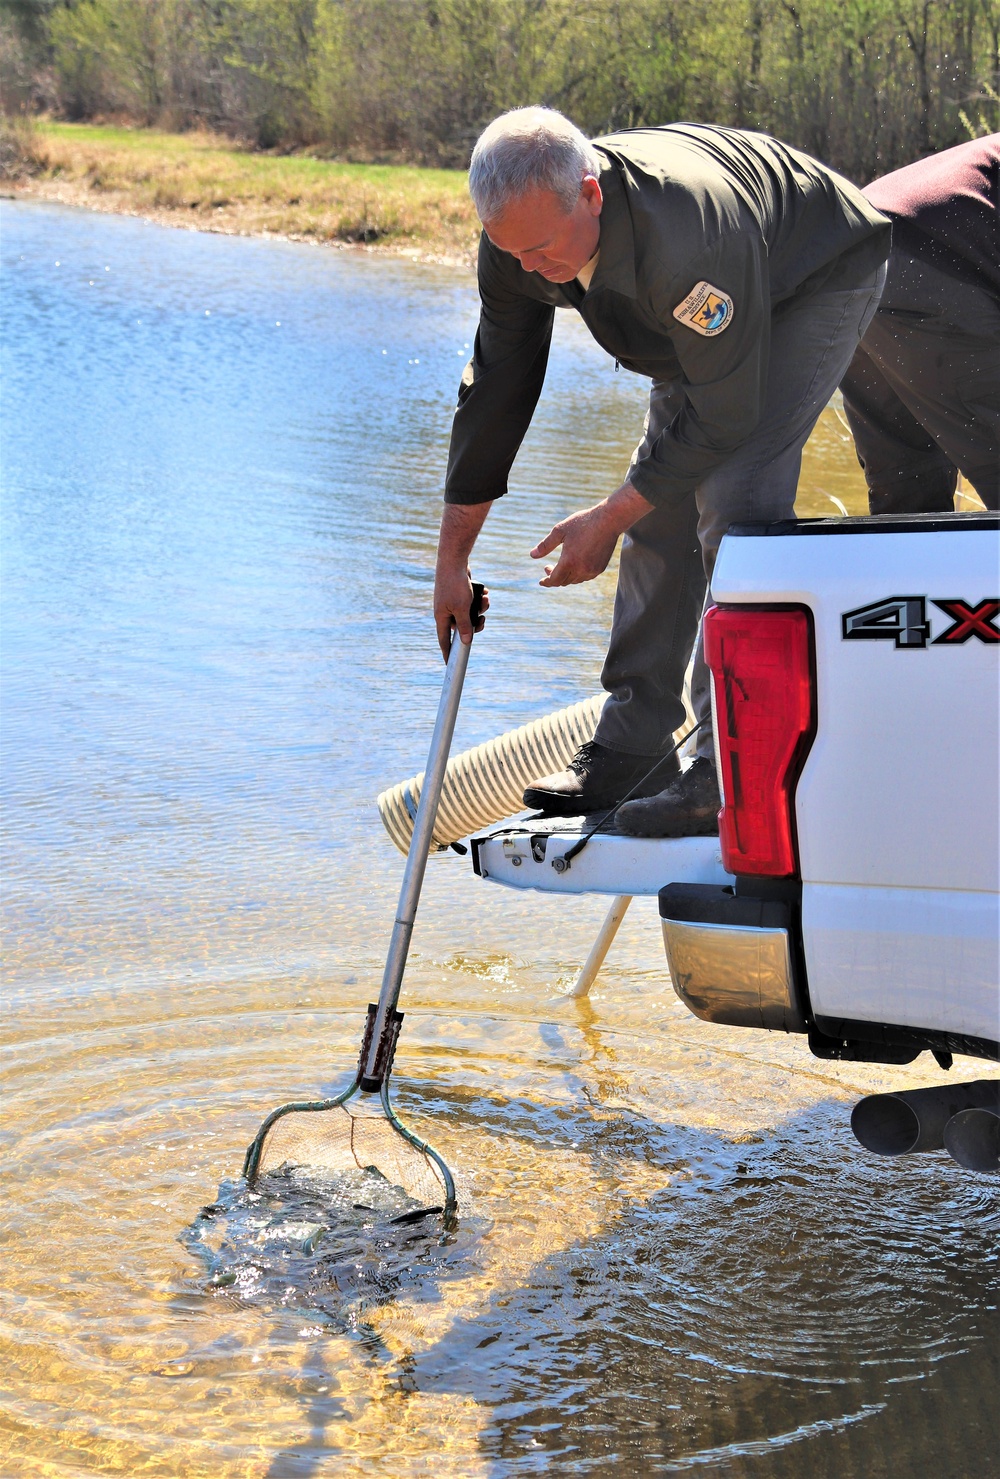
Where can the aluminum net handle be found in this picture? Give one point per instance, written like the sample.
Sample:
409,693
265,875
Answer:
416,859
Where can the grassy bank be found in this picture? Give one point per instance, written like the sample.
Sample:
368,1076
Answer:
200,180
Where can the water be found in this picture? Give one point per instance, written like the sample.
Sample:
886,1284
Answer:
222,463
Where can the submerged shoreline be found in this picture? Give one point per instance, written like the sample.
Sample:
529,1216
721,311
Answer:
201,182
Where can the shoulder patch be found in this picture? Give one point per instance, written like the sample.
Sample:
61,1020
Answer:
707,310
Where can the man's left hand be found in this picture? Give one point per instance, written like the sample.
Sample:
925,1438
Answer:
588,538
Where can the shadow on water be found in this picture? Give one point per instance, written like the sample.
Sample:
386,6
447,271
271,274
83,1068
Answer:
777,1297
775,1301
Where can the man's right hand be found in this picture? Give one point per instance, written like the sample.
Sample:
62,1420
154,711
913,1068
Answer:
460,525
453,604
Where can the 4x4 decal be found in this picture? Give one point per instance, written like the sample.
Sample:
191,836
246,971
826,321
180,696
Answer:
903,621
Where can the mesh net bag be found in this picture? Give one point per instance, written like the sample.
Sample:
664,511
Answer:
334,1141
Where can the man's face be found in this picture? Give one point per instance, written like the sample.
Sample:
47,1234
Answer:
537,230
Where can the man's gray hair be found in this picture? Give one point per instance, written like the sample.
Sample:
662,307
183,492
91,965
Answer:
529,149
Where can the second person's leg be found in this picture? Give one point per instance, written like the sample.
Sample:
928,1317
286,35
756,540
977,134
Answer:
905,469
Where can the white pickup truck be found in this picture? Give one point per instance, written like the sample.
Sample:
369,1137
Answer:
853,893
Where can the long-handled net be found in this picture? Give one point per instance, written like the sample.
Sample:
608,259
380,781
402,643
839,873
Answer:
356,1146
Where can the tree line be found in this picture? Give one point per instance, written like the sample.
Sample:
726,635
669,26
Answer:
866,85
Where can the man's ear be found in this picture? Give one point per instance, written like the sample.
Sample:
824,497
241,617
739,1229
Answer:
591,194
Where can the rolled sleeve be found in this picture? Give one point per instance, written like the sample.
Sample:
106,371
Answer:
501,383
723,376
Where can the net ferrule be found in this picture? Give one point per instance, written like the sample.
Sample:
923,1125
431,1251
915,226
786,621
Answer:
371,1083
366,1043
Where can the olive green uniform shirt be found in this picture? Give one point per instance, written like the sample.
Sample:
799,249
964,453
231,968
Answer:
719,225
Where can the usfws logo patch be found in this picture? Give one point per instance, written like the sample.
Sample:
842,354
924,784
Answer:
707,310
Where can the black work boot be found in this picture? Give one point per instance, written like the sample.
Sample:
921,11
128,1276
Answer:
596,780
689,807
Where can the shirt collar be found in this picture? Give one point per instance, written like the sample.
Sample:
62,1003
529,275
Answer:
616,268
585,276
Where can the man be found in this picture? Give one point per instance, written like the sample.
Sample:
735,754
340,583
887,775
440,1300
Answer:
922,393
736,273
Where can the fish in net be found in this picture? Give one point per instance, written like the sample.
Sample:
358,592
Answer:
336,1246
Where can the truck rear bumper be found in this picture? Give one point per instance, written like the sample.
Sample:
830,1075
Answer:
732,959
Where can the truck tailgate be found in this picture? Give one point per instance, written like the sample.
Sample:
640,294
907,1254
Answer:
897,807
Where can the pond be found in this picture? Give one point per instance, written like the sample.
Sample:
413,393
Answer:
222,463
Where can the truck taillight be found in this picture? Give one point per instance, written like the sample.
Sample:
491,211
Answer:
762,675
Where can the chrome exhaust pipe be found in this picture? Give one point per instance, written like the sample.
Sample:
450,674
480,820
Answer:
915,1119
972,1138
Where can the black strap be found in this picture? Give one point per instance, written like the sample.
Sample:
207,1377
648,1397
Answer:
609,816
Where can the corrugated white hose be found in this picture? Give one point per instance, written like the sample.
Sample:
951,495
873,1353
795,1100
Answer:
485,784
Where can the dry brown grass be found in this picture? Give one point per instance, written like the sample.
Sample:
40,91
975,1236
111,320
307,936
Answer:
200,180
21,152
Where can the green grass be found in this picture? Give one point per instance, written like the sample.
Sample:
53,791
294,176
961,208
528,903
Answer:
201,179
